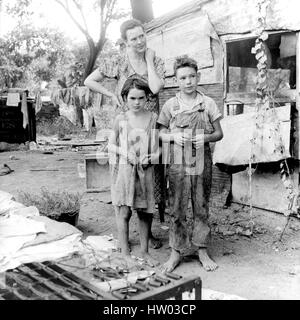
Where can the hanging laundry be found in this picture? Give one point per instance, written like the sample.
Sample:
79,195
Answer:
24,109
13,99
38,103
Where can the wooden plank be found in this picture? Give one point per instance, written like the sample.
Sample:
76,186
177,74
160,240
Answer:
297,148
235,16
97,190
97,173
92,144
266,186
196,38
193,35
171,290
236,148
97,156
43,170
249,98
83,282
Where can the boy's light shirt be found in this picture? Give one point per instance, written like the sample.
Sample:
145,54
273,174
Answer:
175,106
184,107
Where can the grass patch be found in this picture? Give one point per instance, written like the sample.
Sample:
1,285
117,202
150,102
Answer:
52,204
60,126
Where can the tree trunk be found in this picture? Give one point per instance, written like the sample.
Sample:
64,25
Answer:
142,10
94,52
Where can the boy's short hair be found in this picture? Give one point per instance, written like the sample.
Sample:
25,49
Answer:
184,61
136,83
129,24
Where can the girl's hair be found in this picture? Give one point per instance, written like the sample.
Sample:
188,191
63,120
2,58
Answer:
129,24
184,61
134,83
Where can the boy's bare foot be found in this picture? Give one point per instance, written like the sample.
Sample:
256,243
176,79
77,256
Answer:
172,263
155,243
149,259
206,261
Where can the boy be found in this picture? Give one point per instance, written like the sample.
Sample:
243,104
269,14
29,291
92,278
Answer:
189,122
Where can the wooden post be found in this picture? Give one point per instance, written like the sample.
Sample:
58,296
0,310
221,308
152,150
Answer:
298,90
298,102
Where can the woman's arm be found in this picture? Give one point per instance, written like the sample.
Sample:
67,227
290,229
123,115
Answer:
154,81
93,83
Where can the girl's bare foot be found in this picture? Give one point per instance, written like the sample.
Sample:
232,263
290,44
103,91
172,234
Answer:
149,259
172,263
207,263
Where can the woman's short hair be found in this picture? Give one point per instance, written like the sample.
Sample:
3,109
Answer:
134,83
129,24
184,61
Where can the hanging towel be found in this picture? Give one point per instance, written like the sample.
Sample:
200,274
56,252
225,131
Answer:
24,110
13,99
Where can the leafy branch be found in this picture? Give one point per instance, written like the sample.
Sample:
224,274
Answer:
264,103
66,6
106,10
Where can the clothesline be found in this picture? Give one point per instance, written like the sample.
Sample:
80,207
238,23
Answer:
81,97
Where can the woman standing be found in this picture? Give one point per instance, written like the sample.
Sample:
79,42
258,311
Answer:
139,62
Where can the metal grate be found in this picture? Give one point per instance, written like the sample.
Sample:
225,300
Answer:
160,288
48,281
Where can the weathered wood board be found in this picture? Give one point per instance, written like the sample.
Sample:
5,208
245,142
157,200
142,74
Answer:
268,191
195,37
97,173
236,148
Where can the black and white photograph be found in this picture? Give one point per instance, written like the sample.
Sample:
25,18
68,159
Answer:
149,150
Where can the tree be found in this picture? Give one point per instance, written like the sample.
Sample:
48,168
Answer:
20,9
74,74
29,55
142,10
107,12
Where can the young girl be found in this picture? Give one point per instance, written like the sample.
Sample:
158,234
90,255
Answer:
133,148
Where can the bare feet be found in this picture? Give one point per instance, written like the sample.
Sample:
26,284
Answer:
149,259
172,263
154,243
206,261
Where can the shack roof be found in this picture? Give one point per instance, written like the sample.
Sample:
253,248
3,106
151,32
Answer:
234,16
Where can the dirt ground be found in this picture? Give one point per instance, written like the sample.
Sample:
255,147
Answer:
252,267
